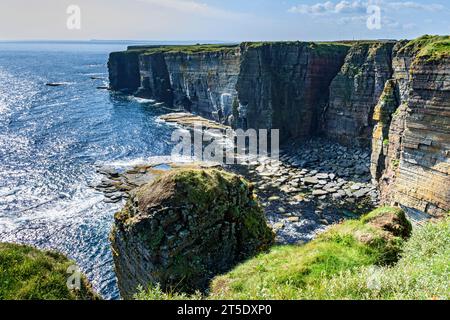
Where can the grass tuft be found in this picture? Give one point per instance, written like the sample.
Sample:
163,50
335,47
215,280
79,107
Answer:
27,273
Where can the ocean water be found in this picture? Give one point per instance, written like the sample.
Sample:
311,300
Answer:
52,139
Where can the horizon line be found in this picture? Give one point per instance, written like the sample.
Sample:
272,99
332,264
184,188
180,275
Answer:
182,41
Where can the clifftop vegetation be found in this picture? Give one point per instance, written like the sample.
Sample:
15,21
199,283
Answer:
431,48
369,258
27,273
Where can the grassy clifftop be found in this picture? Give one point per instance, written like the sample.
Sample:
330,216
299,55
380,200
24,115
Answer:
298,272
370,258
187,49
27,273
430,48
353,260
320,47
427,46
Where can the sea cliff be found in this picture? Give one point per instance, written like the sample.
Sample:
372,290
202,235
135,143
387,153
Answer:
389,96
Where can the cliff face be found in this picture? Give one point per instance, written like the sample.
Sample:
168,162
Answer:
205,83
199,82
392,96
355,91
423,181
282,85
154,78
259,86
124,71
413,168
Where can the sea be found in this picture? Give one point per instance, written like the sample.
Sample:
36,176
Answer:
52,141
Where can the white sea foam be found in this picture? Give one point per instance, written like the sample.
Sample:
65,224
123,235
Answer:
143,100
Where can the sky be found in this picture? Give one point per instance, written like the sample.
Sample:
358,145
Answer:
225,20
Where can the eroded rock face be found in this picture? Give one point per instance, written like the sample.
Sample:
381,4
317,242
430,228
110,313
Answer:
284,85
124,71
416,168
203,83
186,227
154,78
364,93
355,91
264,86
423,180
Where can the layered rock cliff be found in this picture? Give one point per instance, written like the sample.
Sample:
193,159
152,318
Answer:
413,168
258,85
282,85
355,91
390,96
202,81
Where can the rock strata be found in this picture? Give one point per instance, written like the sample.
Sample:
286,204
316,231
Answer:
391,96
410,158
186,227
355,91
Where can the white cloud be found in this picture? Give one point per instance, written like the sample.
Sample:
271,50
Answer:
351,7
194,8
415,5
318,8
360,7
328,7
353,19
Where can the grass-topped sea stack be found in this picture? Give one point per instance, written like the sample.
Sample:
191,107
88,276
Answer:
186,227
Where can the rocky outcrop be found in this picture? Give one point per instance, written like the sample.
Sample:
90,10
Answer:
355,91
416,168
184,228
383,113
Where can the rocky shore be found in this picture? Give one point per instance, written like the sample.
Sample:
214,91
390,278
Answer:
309,189
313,184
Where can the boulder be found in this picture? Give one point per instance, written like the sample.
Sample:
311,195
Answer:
310,181
186,227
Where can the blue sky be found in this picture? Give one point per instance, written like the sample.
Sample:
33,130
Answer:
226,20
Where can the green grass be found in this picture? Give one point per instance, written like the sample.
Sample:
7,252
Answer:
320,48
187,49
429,48
156,293
30,274
288,270
422,273
193,49
299,272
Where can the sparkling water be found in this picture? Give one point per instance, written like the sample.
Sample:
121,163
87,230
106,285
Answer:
51,141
